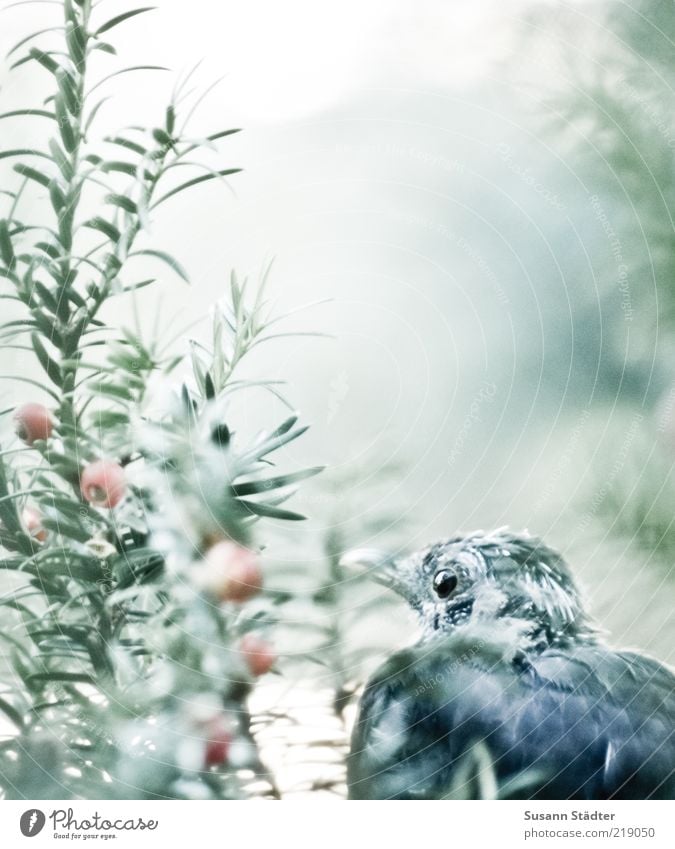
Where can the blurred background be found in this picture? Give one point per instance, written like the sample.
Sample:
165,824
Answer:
476,201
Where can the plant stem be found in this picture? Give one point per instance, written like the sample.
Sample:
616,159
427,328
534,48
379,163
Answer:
66,412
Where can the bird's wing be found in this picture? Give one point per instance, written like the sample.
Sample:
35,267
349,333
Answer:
387,749
632,700
586,723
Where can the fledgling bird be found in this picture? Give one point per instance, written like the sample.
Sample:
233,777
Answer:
509,665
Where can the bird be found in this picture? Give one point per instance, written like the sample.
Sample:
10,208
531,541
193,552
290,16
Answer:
510,690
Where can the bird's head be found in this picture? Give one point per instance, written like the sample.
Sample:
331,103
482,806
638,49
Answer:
491,576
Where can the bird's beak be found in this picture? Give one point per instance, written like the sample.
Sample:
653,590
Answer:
380,567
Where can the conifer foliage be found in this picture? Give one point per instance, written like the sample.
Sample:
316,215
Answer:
133,592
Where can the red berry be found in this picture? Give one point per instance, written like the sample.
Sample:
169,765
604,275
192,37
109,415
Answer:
33,421
231,572
216,730
258,654
217,750
33,524
218,739
103,484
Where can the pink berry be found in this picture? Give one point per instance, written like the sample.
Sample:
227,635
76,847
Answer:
33,524
33,421
258,654
102,483
232,572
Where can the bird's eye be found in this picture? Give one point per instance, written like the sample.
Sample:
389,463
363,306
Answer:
444,583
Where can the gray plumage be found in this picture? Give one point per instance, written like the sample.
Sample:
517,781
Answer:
510,664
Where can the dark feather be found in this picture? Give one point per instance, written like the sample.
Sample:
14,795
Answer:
589,724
